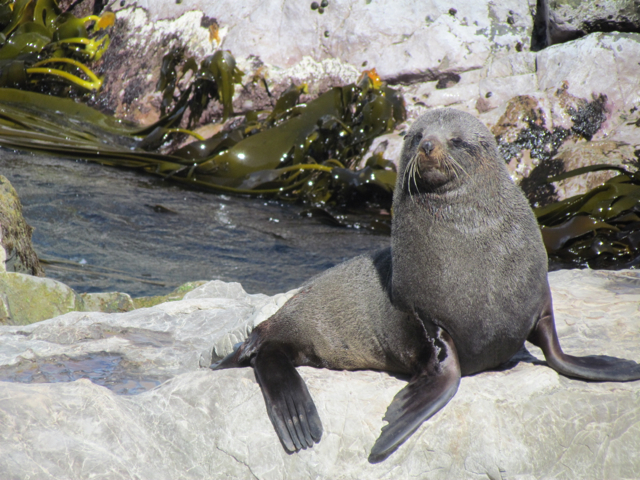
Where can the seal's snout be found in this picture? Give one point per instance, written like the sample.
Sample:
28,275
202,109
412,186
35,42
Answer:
427,147
431,147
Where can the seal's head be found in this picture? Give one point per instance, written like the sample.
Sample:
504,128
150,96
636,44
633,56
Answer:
442,148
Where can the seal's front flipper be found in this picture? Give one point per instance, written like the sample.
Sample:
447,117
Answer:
599,368
427,392
289,404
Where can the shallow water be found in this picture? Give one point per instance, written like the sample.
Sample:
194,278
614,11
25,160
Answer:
102,368
144,228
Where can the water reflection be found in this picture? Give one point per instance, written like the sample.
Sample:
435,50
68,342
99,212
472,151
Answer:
139,226
106,369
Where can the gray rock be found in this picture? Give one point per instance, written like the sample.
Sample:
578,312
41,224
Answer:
523,422
160,341
389,35
570,19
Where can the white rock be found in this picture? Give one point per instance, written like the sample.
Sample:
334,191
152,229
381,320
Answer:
600,63
525,422
413,45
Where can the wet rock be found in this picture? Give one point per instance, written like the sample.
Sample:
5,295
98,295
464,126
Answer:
132,62
524,421
160,341
581,153
16,251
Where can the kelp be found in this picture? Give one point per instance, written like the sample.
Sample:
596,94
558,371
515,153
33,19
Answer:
600,228
41,46
215,78
297,151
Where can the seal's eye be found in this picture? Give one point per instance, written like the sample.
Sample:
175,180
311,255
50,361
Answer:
456,142
415,141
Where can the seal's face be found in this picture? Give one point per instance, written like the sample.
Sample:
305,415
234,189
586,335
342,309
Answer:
432,161
441,149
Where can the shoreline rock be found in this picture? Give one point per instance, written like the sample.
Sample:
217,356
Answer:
16,250
524,421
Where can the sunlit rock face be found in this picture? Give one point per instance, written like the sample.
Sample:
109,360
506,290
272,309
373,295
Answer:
128,395
475,57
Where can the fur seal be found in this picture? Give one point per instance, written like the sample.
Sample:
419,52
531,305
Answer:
461,289
342,319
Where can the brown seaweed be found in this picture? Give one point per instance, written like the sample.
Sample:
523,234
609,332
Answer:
600,228
306,152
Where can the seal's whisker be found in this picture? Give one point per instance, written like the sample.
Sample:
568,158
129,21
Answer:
411,170
404,176
415,171
456,167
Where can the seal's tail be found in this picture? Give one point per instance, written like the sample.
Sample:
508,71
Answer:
599,368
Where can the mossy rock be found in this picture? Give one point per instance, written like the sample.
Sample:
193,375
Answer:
108,302
177,294
26,299
15,236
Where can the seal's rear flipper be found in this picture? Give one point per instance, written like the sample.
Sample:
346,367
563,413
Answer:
599,368
426,393
233,360
289,404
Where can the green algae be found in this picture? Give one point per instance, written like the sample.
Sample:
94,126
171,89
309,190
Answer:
175,295
27,299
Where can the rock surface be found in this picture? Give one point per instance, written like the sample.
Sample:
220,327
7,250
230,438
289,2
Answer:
475,57
16,250
25,299
522,422
570,19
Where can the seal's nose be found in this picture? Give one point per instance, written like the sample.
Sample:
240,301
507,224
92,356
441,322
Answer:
427,147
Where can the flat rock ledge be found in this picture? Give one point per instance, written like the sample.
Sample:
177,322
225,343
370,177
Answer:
523,422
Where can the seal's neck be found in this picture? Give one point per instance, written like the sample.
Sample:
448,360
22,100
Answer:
486,193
